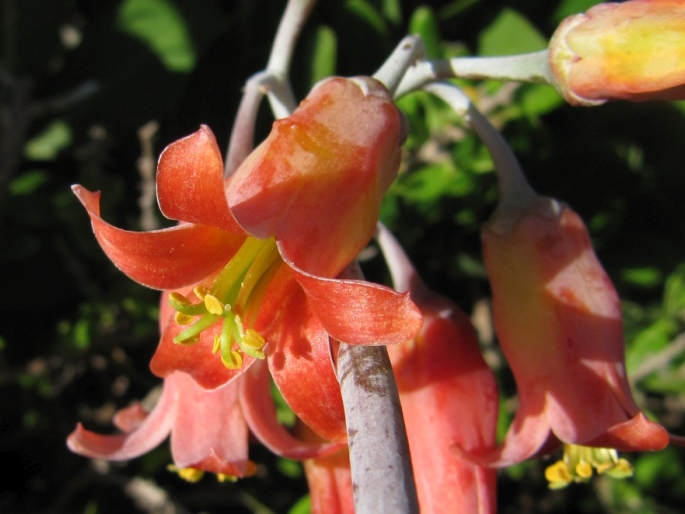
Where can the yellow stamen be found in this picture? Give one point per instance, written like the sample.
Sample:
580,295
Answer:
235,292
188,474
580,462
213,305
183,319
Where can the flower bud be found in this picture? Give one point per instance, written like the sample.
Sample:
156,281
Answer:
633,50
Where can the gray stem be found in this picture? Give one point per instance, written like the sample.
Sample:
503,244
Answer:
382,476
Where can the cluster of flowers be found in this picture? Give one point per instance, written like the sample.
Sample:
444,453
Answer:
250,294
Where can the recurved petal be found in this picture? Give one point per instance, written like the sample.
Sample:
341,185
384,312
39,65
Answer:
209,432
147,435
634,435
161,259
190,183
527,436
260,412
358,312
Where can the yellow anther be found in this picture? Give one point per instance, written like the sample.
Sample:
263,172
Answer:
214,305
177,300
183,319
187,474
580,462
622,469
189,341
253,339
558,475
235,361
200,292
583,469
226,478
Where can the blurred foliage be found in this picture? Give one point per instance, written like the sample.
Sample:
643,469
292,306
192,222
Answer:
77,81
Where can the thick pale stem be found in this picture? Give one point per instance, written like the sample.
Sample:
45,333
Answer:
281,95
514,188
532,67
241,142
382,476
273,82
395,67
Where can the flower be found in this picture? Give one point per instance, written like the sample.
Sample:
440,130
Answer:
209,428
261,250
558,319
632,50
329,478
449,398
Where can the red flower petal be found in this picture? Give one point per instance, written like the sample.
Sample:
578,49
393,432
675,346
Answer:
161,259
358,312
209,431
298,354
317,181
147,434
260,412
190,183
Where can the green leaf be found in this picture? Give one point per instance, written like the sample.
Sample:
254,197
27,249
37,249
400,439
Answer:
159,25
47,144
569,7
325,55
392,9
369,14
424,23
511,33
28,182
644,276
674,291
302,506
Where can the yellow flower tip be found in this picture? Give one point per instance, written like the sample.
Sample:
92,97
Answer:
200,292
558,475
178,301
584,470
221,477
183,319
232,359
188,474
253,339
214,305
622,469
188,341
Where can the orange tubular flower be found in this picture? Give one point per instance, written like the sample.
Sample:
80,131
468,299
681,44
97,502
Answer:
449,398
261,250
558,320
633,50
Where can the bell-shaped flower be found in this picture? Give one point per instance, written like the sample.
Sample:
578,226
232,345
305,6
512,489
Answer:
632,50
208,428
558,320
261,250
449,398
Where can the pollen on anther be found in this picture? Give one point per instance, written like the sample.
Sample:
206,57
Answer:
213,304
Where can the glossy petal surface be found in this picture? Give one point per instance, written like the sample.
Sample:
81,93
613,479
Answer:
317,181
161,259
633,50
558,319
